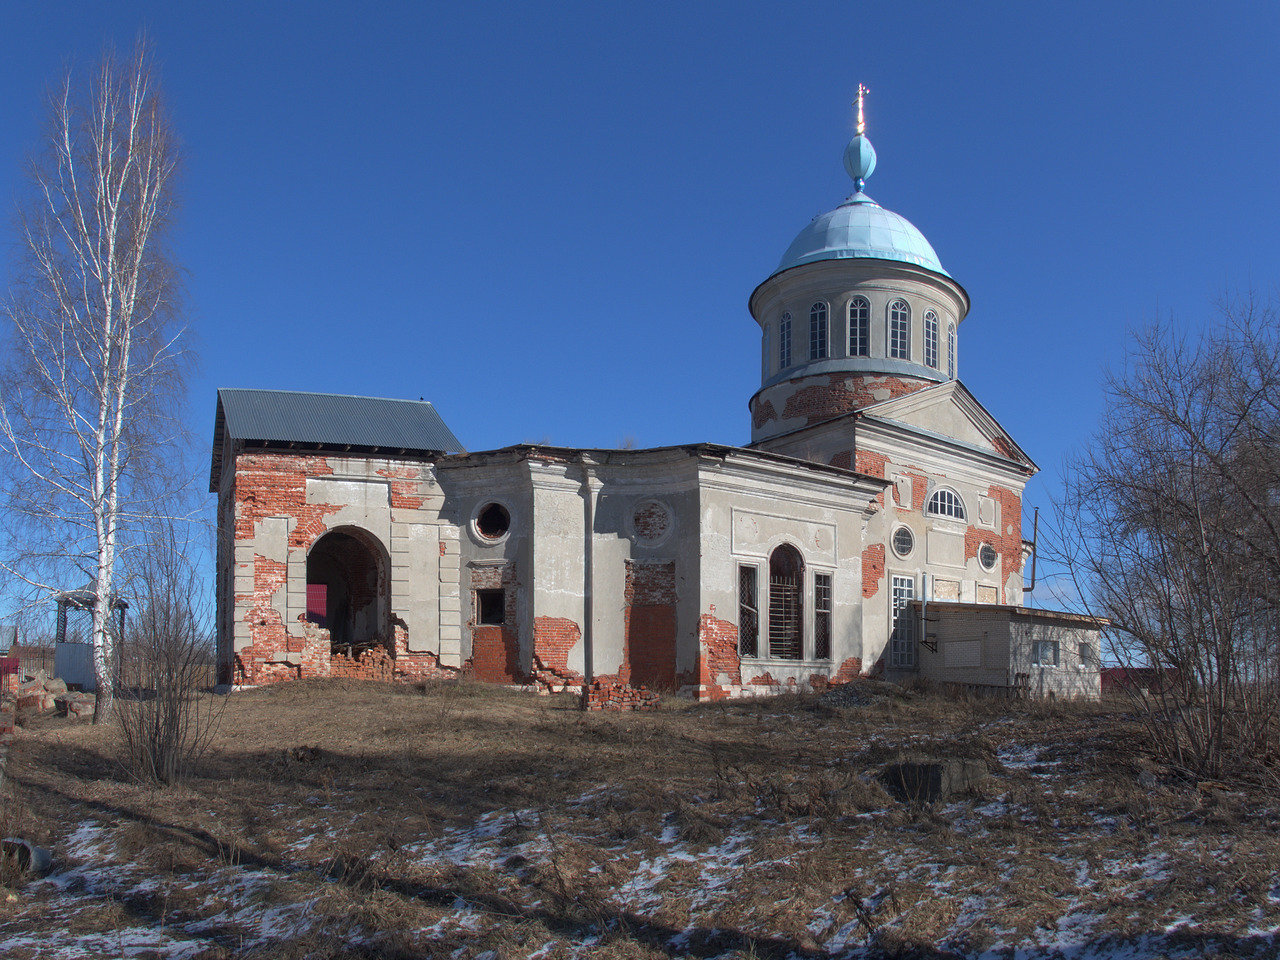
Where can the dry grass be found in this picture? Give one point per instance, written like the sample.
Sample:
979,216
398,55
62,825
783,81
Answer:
336,819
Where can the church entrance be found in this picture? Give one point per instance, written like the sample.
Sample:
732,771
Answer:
347,590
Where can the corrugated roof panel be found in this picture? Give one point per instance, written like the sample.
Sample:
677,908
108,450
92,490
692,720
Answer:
287,416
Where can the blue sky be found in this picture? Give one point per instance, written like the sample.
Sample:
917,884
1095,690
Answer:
547,219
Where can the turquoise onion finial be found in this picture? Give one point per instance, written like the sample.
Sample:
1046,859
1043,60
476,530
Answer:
859,155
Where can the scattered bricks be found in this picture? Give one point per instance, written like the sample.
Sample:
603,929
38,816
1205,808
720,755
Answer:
6,720
605,693
55,686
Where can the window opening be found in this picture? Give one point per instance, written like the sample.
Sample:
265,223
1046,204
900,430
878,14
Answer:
946,503
818,331
784,342
492,606
1087,657
899,330
493,521
903,541
1044,653
951,350
859,327
765,347
748,612
931,339
822,616
987,556
902,642
786,619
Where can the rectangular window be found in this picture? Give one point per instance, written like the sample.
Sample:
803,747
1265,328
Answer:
491,607
902,642
822,616
748,613
931,339
1087,656
784,342
1044,653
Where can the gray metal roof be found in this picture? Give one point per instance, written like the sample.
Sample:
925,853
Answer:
327,420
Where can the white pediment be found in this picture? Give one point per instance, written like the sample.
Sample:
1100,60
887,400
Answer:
950,411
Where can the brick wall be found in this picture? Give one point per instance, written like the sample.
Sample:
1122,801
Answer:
495,648
649,624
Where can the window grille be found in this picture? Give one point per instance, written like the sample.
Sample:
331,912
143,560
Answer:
786,617
903,542
859,327
822,616
818,331
931,339
946,503
899,330
902,642
748,613
784,342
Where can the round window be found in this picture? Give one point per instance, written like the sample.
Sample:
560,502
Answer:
493,521
904,541
987,556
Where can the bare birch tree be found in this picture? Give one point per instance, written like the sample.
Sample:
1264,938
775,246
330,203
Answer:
93,373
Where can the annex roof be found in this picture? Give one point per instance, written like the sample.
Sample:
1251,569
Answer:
329,420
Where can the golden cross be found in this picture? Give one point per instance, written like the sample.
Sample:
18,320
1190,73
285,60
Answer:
862,121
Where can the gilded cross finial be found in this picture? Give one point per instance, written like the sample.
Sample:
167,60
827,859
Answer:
862,120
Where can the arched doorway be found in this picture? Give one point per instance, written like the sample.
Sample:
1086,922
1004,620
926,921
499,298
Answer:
347,590
786,606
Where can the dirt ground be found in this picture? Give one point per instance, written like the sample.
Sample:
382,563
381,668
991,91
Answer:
348,819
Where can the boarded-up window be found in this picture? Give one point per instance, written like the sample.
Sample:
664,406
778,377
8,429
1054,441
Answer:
748,612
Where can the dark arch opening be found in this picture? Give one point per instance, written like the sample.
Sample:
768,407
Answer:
786,607
347,591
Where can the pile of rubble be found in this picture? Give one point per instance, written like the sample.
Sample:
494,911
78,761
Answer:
40,693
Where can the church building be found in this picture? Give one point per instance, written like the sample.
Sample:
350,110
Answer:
873,525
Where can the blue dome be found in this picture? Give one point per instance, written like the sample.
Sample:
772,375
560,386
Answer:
861,228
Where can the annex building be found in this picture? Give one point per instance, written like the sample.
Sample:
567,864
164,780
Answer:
873,525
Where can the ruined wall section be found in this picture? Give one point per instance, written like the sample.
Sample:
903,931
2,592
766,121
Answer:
275,506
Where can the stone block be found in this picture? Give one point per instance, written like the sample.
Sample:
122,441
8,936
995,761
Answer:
927,781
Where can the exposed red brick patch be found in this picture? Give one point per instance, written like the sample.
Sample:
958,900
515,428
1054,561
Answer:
1007,545
553,639
762,412
872,569
843,459
871,462
717,656
406,486
842,393
919,486
851,669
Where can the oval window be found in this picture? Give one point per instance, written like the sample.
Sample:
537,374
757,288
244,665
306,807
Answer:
987,556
